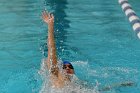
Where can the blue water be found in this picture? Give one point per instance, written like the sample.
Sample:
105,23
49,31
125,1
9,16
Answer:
94,34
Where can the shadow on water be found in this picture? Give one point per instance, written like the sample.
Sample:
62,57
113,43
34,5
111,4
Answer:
61,24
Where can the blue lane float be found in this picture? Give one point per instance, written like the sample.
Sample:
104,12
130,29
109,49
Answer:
130,13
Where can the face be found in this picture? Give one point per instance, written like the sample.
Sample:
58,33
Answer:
68,68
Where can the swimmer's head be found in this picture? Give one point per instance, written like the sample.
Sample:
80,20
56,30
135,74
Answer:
67,66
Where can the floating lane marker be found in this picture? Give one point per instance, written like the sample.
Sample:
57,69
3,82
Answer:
130,13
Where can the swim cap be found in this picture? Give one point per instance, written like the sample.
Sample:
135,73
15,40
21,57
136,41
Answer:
66,62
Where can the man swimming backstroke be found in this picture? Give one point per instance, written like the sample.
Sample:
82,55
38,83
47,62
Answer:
58,78
61,76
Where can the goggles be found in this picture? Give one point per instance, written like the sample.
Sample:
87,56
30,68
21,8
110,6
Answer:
69,66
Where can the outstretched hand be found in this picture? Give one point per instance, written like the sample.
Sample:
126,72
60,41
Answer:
48,18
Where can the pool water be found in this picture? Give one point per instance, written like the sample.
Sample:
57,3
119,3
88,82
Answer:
94,35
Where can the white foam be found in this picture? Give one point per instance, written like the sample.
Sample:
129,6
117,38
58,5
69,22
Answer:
121,69
74,87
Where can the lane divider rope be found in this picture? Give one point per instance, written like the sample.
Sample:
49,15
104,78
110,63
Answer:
130,13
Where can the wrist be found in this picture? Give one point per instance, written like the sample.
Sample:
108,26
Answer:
50,27
50,24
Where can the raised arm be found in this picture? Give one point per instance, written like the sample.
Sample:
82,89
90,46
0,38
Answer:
52,57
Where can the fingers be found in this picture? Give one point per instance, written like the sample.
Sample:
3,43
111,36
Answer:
52,16
45,15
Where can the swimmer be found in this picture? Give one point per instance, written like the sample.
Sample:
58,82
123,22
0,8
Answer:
58,77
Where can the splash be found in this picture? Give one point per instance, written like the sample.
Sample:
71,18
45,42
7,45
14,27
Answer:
75,86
